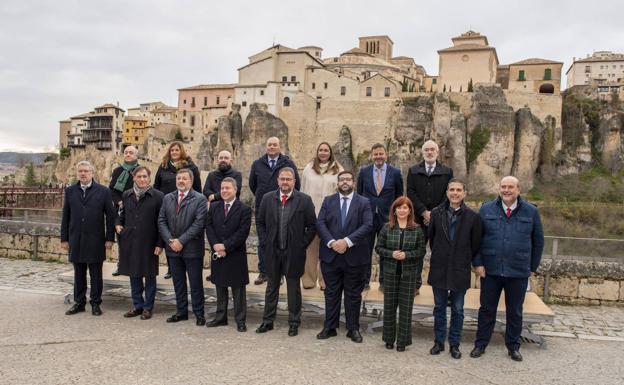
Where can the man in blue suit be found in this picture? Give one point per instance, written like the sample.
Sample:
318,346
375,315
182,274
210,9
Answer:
344,224
381,183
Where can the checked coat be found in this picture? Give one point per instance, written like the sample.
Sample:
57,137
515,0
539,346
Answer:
400,280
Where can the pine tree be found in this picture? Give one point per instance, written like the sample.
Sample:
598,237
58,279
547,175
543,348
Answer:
470,86
31,179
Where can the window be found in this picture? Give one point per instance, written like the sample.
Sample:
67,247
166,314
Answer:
261,92
192,131
547,74
343,90
284,78
218,99
184,101
313,86
192,120
387,91
286,101
369,91
127,130
434,81
244,104
587,69
521,75
205,101
193,101
184,113
293,78
325,85
136,138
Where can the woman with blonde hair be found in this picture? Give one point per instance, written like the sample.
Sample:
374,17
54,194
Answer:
318,180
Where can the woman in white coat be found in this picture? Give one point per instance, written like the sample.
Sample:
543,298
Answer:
318,180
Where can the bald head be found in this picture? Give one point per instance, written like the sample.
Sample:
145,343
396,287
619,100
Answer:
130,154
509,189
225,160
273,147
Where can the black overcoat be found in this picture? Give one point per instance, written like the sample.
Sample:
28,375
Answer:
88,222
427,192
165,179
232,231
301,230
450,265
139,236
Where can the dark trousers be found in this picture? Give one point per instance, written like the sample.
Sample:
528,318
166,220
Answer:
399,293
293,293
261,268
193,267
239,295
137,288
371,246
341,278
441,298
515,291
80,283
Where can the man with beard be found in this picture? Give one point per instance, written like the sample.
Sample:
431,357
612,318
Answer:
212,187
344,225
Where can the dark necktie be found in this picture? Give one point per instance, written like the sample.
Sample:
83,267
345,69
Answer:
272,164
508,212
343,211
227,209
429,170
180,202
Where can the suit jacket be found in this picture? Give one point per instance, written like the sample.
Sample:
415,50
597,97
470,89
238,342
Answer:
357,228
88,222
187,225
380,203
232,231
427,191
301,230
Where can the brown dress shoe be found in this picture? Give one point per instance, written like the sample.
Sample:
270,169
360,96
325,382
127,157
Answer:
147,314
133,313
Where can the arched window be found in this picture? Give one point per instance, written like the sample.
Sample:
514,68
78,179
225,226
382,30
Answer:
286,101
547,88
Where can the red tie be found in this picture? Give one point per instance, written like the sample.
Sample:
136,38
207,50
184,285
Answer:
227,209
180,202
508,212
284,197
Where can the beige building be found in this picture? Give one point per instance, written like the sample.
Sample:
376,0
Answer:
104,128
470,58
64,132
77,124
601,67
535,76
197,106
135,131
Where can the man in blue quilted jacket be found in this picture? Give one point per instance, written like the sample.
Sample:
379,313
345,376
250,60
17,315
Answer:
511,250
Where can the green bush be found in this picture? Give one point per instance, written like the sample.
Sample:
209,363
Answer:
479,138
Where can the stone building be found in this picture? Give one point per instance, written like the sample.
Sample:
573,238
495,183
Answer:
78,123
104,128
135,131
470,58
535,76
64,132
599,68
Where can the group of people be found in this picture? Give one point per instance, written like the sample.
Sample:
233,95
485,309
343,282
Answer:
317,228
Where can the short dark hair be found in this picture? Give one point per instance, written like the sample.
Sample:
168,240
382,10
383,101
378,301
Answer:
346,172
230,180
378,145
141,168
456,180
186,171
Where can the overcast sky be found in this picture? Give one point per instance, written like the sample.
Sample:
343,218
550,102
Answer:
62,58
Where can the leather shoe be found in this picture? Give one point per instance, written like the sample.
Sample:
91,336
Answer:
264,327
262,278
168,275
389,346
455,353
208,278
215,322
477,352
326,333
293,331
177,318
75,309
400,348
133,313
416,292
355,336
95,310
436,349
515,355
115,273
200,321
241,328
147,314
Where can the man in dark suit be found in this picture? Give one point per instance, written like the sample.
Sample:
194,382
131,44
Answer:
87,231
286,221
381,183
212,187
344,224
426,188
227,228
181,223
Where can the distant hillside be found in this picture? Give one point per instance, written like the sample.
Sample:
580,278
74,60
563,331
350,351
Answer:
22,158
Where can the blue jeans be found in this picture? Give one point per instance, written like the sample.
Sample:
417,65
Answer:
137,288
440,298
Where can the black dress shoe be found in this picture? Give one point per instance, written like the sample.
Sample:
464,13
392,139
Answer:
367,287
75,309
455,353
177,318
200,321
264,327
326,333
168,275
115,273
216,322
355,336
208,278
262,278
293,331
400,348
241,328
436,349
133,313
389,345
477,352
515,355
95,310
